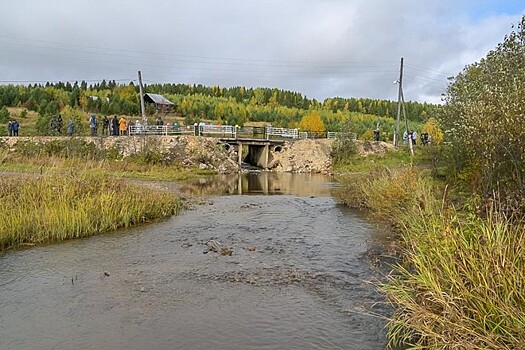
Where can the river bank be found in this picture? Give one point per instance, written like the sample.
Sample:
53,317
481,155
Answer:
180,151
461,281
55,207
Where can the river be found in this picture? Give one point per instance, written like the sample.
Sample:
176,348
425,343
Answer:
299,277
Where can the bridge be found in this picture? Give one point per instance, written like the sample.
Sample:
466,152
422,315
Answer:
253,145
254,151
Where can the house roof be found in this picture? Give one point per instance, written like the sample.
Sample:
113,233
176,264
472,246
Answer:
158,99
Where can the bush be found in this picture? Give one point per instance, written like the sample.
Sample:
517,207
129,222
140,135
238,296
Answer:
483,118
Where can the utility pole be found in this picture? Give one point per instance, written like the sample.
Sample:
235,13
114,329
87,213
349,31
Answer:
142,110
399,96
409,136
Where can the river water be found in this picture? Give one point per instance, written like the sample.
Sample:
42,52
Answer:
298,278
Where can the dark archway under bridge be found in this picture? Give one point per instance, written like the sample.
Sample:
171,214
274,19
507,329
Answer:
255,152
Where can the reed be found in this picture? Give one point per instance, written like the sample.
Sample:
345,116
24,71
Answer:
461,283
55,207
387,194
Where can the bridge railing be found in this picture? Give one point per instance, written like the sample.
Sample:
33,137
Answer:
282,132
335,135
216,129
232,131
138,129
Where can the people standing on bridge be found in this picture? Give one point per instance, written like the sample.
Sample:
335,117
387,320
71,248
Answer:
138,127
93,125
123,126
15,127
105,126
10,128
114,124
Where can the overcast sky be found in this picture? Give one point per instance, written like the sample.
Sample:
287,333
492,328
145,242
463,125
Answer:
347,48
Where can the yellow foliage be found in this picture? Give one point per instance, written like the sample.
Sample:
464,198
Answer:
127,93
434,130
312,122
367,135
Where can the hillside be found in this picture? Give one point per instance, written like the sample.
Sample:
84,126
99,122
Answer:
196,103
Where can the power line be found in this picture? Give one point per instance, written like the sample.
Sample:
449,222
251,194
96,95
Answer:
158,55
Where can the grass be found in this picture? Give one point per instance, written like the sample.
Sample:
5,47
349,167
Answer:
462,285
462,281
58,207
115,168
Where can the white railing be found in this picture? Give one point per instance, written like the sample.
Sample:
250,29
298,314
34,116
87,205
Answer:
224,130
334,135
282,132
216,129
331,135
138,129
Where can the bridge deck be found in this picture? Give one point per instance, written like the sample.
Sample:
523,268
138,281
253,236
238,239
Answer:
252,141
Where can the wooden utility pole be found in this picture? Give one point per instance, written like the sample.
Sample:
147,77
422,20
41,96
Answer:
399,95
142,110
409,135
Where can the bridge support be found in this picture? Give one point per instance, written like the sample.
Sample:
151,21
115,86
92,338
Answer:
239,152
254,152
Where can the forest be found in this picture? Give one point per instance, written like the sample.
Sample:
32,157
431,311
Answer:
221,105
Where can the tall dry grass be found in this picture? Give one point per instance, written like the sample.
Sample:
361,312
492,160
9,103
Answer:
462,281
462,285
388,194
38,209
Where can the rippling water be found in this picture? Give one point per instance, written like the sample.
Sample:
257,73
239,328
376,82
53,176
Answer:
298,278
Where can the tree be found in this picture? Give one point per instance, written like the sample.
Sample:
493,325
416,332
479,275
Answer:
483,118
434,131
4,115
312,122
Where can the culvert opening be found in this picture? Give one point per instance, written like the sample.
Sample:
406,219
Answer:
253,158
278,149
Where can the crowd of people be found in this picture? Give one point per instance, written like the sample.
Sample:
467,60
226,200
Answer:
412,136
110,127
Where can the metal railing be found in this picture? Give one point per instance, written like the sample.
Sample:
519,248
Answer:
334,135
282,132
216,129
157,130
231,131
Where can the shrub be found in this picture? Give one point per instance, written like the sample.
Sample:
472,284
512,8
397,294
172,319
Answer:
483,118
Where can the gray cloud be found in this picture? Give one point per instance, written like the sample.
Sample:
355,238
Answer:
320,48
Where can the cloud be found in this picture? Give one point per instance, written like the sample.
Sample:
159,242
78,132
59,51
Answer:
320,48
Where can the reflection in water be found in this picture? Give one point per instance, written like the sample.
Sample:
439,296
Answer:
261,183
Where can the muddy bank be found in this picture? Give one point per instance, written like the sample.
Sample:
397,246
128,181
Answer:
205,153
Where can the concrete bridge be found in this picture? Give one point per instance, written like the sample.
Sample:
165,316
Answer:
254,151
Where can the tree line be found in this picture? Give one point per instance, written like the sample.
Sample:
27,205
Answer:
194,103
